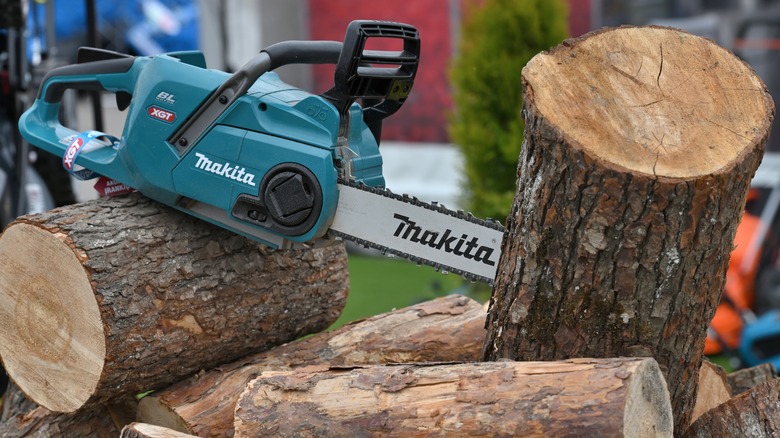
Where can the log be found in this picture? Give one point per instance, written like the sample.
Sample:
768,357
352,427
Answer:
123,295
754,413
713,389
15,403
744,379
43,423
144,430
582,397
446,329
639,147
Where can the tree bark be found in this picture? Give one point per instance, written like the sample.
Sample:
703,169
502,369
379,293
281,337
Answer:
15,403
606,397
124,295
713,389
43,423
640,143
144,430
754,413
742,380
447,329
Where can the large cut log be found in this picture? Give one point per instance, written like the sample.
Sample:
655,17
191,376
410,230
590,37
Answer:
754,413
123,295
640,143
582,397
448,329
43,423
744,379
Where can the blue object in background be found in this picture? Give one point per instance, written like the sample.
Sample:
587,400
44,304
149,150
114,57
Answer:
148,27
760,341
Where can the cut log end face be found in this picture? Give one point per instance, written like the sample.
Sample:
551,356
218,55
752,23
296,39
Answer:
647,394
51,335
654,100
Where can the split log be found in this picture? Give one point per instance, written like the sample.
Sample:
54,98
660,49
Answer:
604,397
754,413
123,295
713,389
744,379
447,329
43,423
640,143
144,430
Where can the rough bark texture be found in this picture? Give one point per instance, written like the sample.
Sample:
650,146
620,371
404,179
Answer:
15,403
143,430
42,423
713,389
639,148
742,380
447,329
754,413
123,295
606,397
120,411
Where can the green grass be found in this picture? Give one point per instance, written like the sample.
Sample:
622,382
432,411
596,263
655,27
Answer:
381,284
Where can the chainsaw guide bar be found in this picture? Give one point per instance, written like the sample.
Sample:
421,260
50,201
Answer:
425,233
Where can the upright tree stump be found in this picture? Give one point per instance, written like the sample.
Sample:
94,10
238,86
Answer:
639,147
124,295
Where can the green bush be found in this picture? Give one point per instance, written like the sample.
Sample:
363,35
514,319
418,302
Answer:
497,39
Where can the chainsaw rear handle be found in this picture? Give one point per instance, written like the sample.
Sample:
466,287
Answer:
85,77
41,125
357,75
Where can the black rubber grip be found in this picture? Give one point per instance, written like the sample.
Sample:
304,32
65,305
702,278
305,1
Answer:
303,52
55,90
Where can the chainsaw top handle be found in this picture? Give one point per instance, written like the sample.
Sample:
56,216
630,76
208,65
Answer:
382,78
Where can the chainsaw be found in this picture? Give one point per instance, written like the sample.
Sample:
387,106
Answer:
264,159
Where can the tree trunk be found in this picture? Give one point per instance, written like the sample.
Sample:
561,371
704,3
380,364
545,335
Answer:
42,423
143,430
447,329
639,147
742,380
605,397
123,295
754,413
713,389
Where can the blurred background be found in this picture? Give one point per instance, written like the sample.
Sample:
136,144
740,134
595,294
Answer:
455,141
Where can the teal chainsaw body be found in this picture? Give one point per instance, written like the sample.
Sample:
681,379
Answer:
245,151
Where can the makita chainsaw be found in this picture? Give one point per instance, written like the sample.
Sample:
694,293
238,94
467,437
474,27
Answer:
261,158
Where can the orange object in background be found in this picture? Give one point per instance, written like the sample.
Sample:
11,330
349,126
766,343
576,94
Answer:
739,292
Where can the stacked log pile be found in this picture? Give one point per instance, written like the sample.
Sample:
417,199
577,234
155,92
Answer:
639,147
